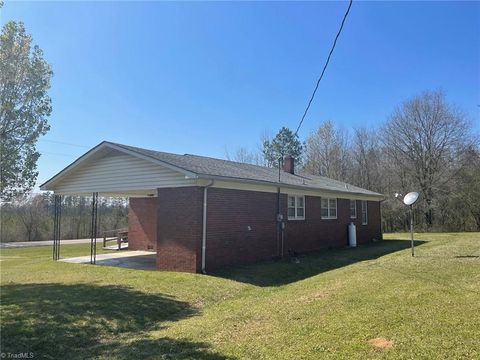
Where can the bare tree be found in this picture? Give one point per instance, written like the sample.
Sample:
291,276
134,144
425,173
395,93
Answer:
366,160
33,213
327,152
30,217
75,213
424,139
244,155
467,185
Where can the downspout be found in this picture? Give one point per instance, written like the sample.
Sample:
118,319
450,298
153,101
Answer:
204,225
381,218
278,223
278,215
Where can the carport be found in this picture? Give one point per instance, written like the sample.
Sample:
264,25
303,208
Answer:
111,170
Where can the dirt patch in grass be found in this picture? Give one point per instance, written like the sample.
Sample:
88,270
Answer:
321,293
381,343
199,304
315,296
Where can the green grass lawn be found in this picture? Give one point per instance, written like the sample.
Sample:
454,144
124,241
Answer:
328,306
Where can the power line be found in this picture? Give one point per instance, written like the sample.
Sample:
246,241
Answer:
56,154
62,143
325,66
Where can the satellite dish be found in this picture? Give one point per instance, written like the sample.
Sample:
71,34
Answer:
410,198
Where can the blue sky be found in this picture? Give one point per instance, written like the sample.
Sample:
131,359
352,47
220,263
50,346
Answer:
205,77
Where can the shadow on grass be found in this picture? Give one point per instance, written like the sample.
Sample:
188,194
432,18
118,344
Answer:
59,321
270,273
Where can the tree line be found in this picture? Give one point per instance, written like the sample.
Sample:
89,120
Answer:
426,145
30,217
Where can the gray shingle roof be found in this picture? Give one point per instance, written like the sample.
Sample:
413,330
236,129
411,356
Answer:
211,167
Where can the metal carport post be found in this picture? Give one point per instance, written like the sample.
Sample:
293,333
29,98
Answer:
93,232
57,215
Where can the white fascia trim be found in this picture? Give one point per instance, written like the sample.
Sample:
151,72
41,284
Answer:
265,186
126,193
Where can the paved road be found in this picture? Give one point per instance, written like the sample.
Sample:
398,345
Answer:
43,243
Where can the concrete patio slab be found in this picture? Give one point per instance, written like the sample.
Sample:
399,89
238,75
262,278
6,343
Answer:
140,260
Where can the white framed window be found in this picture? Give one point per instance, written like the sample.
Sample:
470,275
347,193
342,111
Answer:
296,207
364,212
353,209
329,208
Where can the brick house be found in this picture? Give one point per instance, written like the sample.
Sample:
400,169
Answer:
201,213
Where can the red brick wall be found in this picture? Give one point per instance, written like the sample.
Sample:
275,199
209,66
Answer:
241,226
315,233
179,231
373,230
142,224
231,212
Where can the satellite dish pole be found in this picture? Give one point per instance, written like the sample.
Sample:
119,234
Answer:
409,199
411,230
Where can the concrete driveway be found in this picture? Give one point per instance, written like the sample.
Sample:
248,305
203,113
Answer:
140,260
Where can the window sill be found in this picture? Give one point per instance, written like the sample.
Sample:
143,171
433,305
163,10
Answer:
329,218
295,219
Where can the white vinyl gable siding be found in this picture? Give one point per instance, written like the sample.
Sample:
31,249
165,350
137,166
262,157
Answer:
119,172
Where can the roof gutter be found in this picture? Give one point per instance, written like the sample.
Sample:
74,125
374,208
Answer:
376,197
204,225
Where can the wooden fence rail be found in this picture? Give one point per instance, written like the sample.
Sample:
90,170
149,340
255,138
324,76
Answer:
120,234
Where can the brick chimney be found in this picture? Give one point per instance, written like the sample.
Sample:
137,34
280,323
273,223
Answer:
289,164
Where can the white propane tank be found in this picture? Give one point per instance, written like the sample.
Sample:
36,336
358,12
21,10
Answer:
352,235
